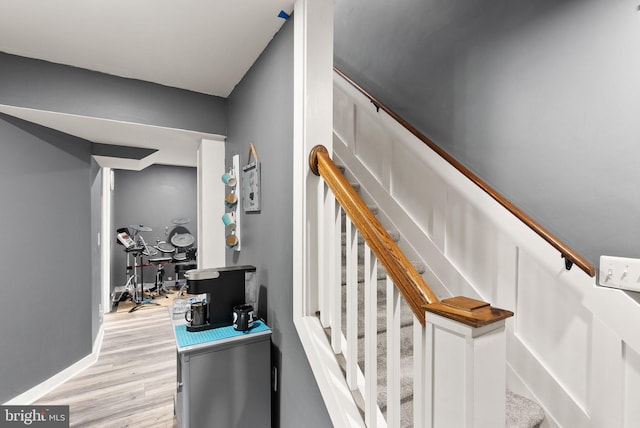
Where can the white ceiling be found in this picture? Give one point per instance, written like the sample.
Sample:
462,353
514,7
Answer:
201,45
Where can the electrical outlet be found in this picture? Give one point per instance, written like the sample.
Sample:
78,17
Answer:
619,272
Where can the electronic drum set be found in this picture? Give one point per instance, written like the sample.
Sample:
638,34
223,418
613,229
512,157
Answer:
178,249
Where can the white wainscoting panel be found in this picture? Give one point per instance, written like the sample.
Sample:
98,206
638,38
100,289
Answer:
343,117
481,250
526,375
373,144
418,190
605,376
555,325
631,373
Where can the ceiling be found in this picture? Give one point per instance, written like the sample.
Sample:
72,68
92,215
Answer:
205,46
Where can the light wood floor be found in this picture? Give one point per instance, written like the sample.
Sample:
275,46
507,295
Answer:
133,382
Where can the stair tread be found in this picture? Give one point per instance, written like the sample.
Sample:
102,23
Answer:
522,412
382,273
395,237
373,208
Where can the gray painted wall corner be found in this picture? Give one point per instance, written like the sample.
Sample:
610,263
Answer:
261,112
46,312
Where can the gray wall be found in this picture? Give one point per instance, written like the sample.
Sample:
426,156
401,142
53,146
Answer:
260,111
540,99
151,197
45,309
26,82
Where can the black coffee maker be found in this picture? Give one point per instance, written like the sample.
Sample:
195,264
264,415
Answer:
225,288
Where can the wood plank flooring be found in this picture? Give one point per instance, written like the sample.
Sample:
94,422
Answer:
133,382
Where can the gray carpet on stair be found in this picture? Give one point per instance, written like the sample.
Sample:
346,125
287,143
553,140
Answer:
522,412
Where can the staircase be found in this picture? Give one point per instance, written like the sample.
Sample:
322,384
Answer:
572,344
520,411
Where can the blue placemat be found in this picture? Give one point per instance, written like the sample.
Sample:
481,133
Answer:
187,338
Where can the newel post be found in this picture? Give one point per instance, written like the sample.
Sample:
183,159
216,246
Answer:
465,352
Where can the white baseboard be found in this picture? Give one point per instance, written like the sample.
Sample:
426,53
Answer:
42,389
332,384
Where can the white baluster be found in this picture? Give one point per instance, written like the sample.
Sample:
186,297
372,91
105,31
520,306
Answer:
393,354
322,263
421,411
327,237
336,283
370,338
352,305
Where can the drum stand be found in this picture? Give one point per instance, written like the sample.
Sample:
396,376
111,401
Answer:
159,287
137,298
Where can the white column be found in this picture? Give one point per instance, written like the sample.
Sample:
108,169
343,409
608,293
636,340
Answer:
211,192
466,374
105,238
312,125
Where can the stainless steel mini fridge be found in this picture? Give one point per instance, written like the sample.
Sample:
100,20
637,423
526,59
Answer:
224,379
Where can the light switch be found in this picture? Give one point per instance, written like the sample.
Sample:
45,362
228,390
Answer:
619,272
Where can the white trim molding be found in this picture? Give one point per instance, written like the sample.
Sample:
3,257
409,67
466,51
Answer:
30,396
211,192
313,113
108,183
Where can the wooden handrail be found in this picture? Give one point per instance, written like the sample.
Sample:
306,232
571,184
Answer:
404,275
570,256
